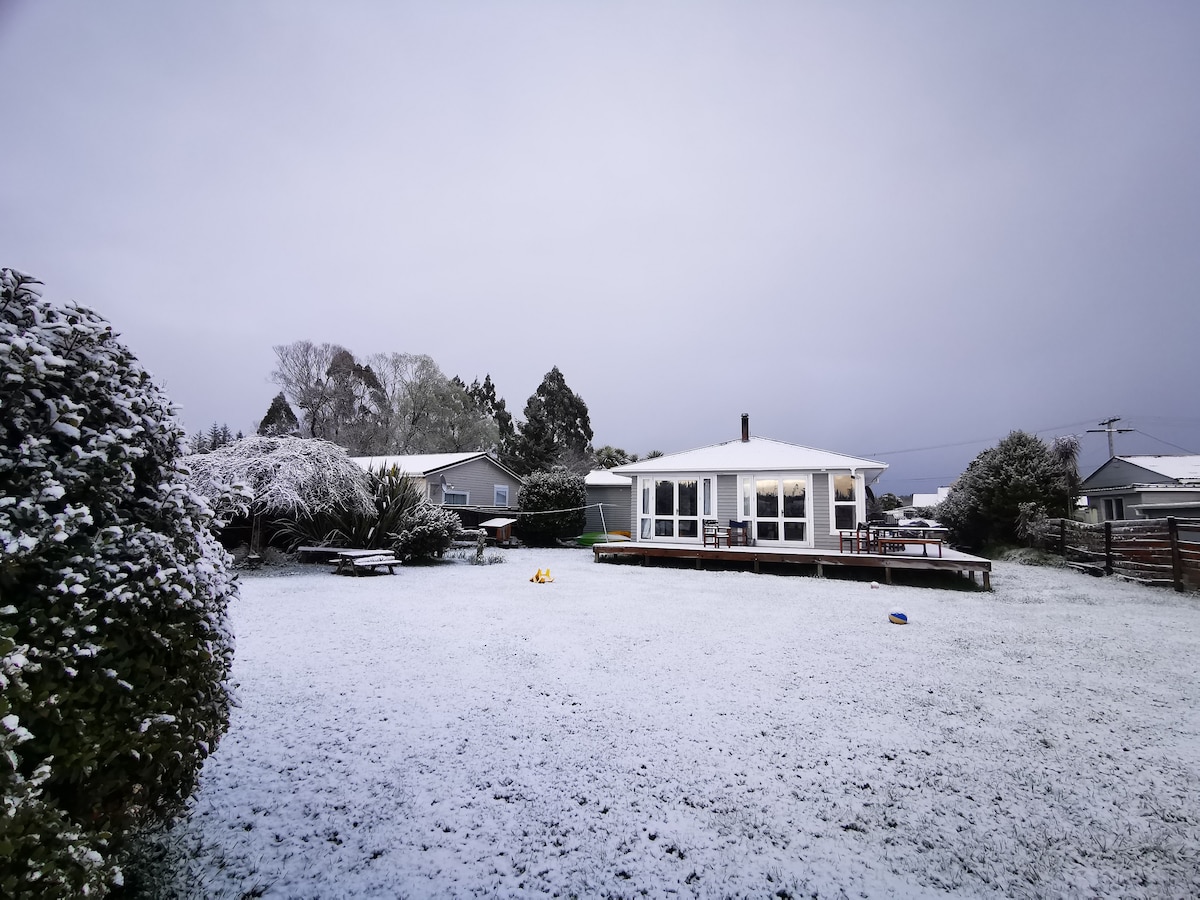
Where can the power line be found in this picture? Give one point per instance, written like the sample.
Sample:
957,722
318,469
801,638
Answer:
1161,441
969,443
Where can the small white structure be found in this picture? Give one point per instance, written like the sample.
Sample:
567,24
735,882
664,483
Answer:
789,495
921,501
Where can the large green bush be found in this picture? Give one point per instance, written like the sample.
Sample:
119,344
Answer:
113,594
552,507
1002,487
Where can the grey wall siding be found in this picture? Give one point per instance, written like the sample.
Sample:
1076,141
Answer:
1118,473
617,508
478,478
729,504
822,539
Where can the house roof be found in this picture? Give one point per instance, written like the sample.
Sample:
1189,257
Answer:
425,464
1181,468
605,478
754,455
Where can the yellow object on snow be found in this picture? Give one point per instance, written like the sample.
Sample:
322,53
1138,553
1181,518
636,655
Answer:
542,577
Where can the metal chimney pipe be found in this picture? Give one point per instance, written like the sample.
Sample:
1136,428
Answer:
745,426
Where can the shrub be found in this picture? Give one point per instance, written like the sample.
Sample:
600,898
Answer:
552,506
116,651
428,533
984,506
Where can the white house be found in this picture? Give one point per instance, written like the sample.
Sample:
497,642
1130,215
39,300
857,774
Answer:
474,479
789,495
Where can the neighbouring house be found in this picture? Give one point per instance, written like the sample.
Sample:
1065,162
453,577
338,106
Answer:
608,498
474,481
1145,487
923,501
790,496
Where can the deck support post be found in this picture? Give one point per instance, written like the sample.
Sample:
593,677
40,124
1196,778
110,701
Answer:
887,574
987,580
820,570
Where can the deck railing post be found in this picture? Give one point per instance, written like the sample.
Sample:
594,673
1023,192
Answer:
1062,538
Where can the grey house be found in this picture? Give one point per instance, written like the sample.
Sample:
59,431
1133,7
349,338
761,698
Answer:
608,497
1145,487
477,480
790,496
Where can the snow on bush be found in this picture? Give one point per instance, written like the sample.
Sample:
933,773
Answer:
113,593
282,476
552,506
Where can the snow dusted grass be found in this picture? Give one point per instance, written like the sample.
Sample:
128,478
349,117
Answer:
458,731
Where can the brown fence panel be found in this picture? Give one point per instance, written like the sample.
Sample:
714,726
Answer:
1156,551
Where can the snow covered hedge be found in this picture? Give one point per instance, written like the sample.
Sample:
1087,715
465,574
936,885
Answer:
114,647
552,507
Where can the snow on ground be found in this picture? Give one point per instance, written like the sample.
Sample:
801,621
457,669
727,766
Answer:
458,731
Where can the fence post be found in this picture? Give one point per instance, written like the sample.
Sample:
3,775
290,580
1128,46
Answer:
1176,557
1107,547
1062,538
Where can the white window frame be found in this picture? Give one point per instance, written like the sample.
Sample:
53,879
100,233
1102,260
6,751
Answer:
448,492
748,505
860,500
497,490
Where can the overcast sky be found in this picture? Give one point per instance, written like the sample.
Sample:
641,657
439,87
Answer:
892,229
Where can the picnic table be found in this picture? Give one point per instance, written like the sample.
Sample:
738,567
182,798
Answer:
898,537
354,562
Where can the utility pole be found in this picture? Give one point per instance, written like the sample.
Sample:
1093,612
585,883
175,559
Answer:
1110,431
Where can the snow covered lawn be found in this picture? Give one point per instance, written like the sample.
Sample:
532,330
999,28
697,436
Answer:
458,731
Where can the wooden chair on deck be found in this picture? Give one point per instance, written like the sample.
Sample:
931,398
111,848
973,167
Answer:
739,533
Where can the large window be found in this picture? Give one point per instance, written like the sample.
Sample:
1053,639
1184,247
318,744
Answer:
500,495
845,502
1114,508
456,498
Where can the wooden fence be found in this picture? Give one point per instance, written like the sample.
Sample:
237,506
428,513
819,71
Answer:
1162,552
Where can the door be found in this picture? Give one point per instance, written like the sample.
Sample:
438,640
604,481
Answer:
673,506
777,507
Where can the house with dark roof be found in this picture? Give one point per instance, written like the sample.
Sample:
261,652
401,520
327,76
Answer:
1145,487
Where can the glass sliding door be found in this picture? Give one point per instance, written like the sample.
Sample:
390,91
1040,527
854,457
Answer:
778,508
672,507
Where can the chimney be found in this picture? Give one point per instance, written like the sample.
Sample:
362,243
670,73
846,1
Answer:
745,427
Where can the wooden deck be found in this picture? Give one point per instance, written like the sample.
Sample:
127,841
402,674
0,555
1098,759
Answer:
911,558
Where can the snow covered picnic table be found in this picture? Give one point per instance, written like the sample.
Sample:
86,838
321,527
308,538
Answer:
352,562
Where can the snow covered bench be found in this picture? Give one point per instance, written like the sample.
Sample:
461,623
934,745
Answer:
302,552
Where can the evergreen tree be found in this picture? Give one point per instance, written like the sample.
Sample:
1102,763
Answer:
495,408
985,504
557,428
280,420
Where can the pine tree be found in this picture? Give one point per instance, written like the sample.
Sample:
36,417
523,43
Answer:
557,428
280,420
